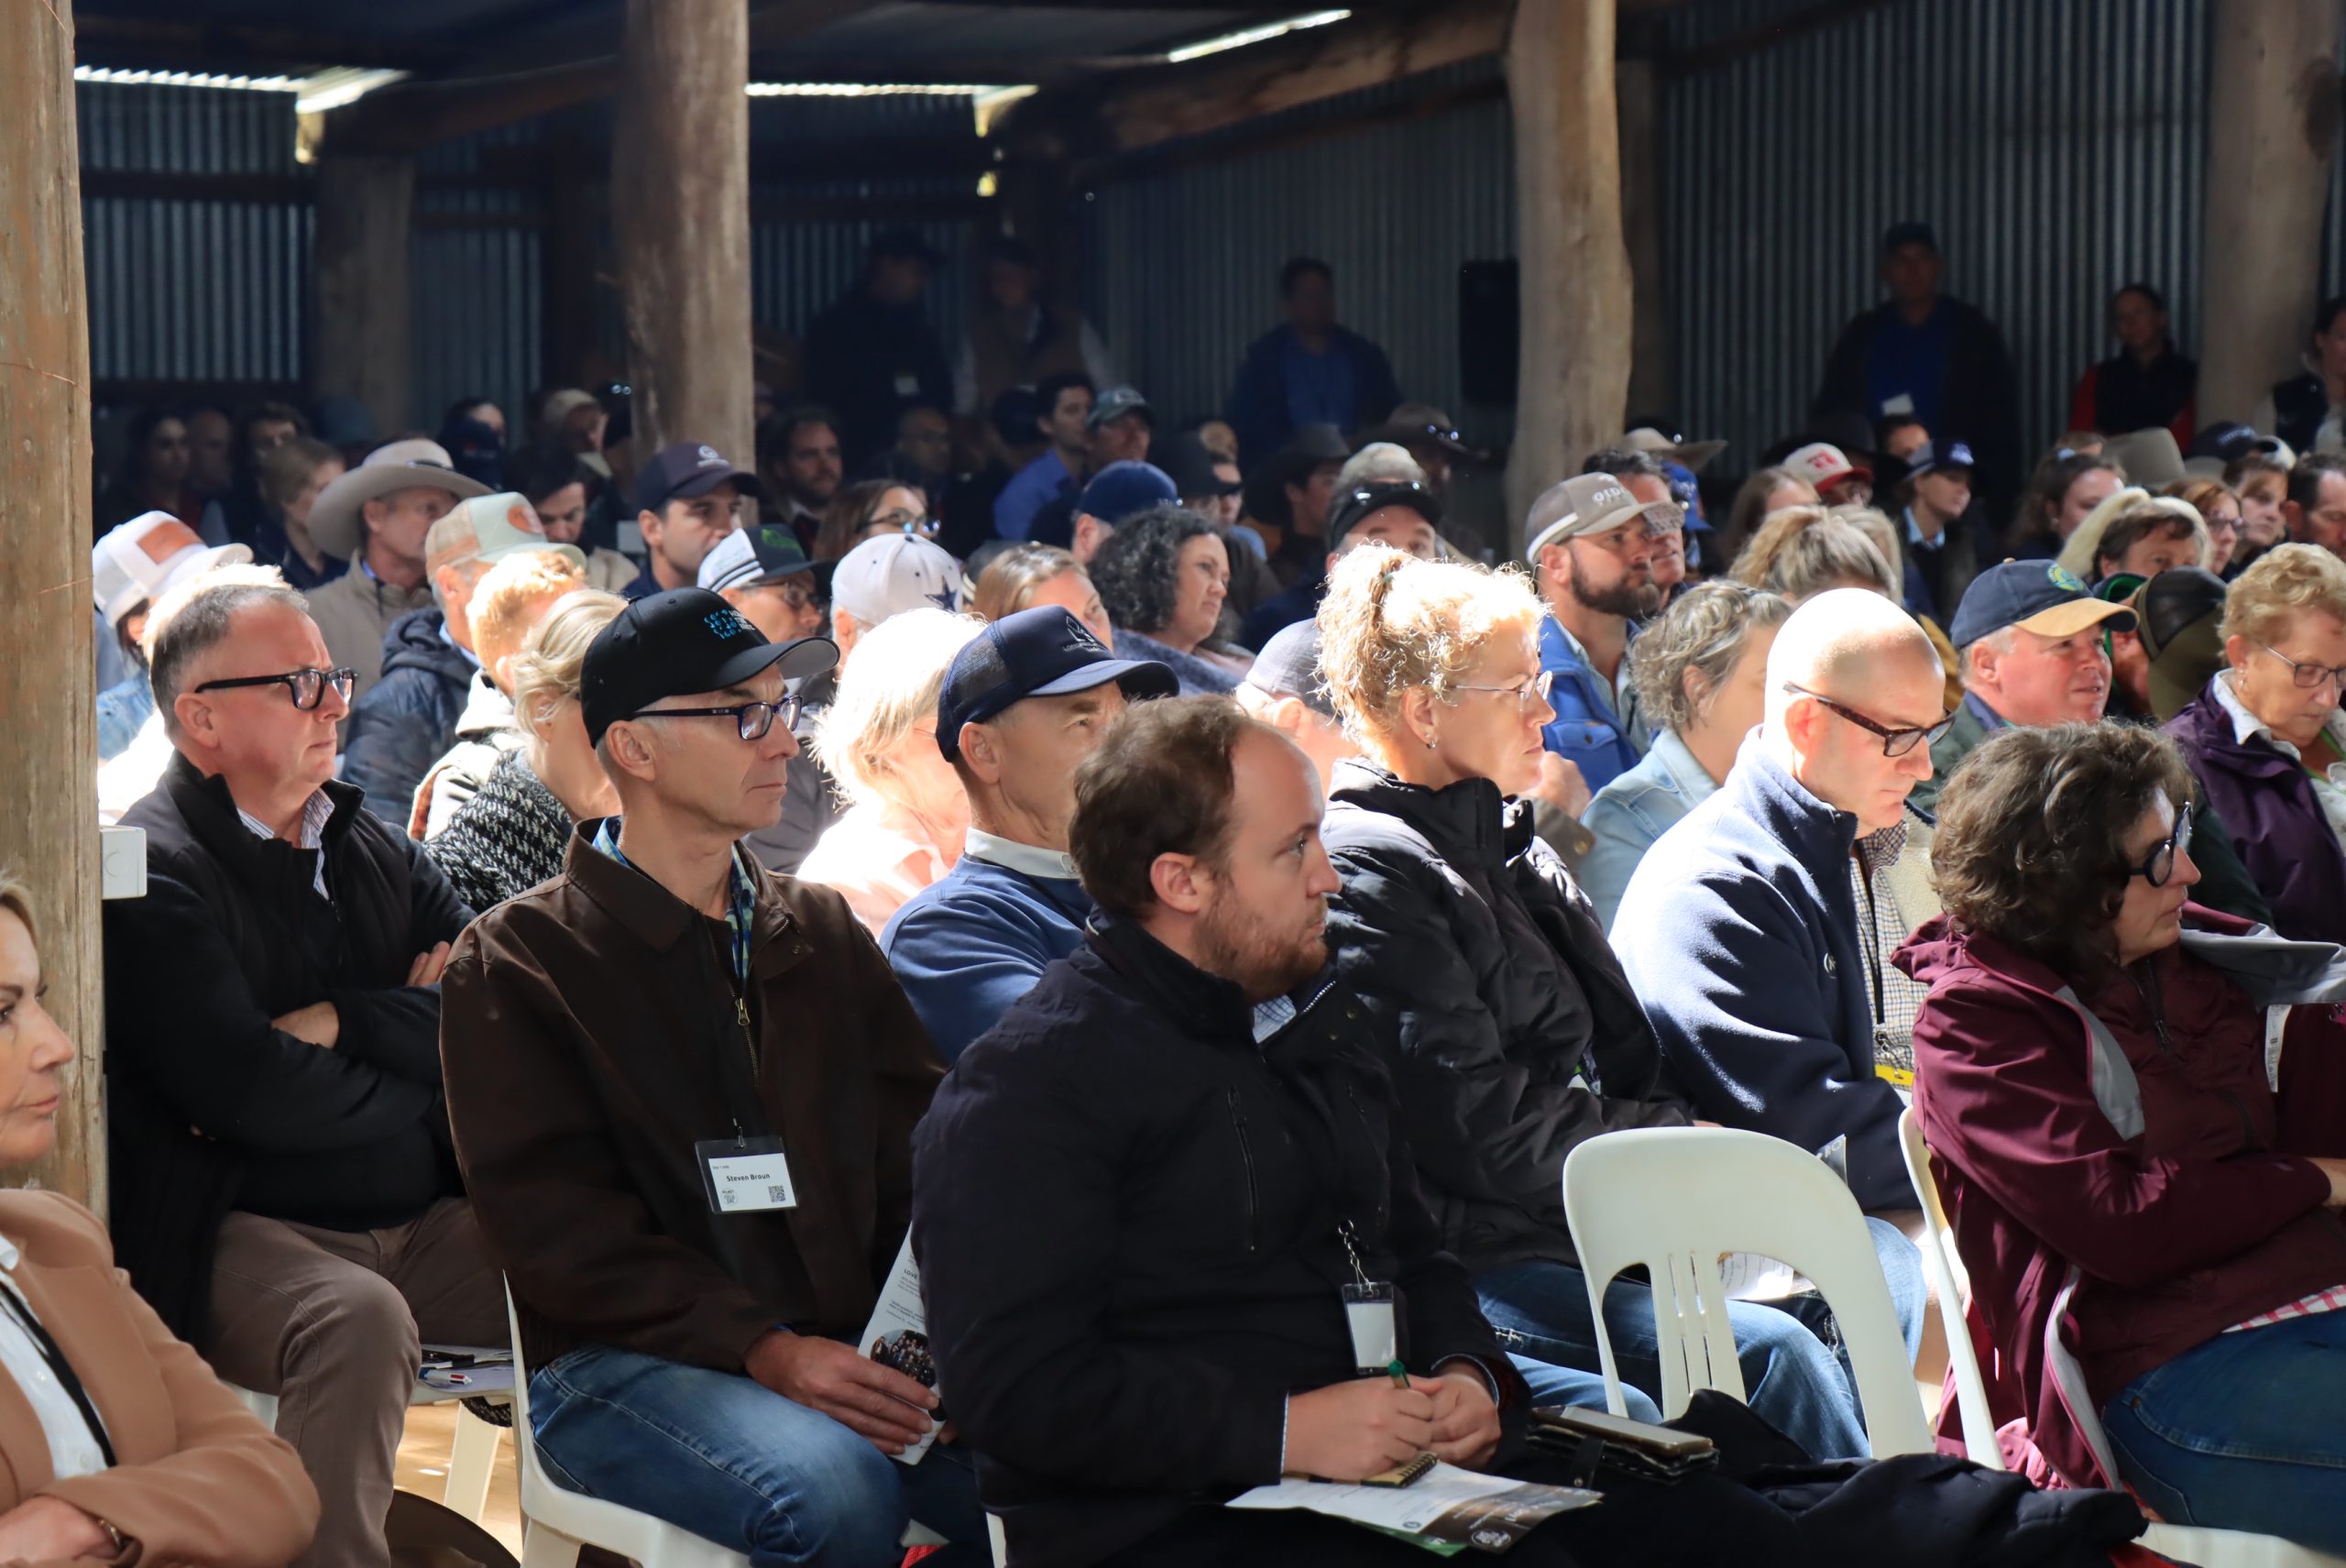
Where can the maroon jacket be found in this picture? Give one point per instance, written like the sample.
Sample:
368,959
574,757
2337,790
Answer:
2203,1218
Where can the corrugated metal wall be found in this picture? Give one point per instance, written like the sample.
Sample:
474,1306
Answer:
2058,146
215,289
475,280
1184,264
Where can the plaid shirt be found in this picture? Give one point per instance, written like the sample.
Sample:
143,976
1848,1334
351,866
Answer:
2328,1300
1882,928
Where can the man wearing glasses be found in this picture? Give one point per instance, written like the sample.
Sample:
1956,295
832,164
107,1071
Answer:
284,1191
1757,932
683,1093
689,498
1592,545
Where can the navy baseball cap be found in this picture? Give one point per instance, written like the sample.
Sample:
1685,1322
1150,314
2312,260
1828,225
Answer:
2043,597
1289,665
1042,652
1911,232
1929,457
1120,490
680,471
1114,403
686,640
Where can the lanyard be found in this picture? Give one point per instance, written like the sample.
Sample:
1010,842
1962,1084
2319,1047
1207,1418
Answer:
58,1366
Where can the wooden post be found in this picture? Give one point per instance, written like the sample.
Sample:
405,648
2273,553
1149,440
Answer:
1650,381
360,307
49,832
2273,116
1576,311
680,208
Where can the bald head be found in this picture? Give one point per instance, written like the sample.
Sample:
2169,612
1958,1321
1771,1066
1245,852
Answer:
1869,660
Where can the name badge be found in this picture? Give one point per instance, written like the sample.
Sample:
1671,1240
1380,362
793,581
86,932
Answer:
907,384
1368,1312
745,1176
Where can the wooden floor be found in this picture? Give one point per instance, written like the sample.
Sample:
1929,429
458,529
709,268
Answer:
424,1469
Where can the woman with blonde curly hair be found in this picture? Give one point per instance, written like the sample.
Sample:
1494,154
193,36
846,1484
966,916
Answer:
1487,977
2268,741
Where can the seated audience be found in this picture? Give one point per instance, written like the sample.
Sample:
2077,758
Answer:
1803,551
1286,500
283,1189
1484,975
2266,739
2261,481
1591,545
290,477
378,516
799,453
1402,513
1205,483
1758,931
511,833
561,489
1766,492
1025,575
431,664
1702,672
2035,654
131,775
131,566
1644,477
503,608
1023,703
1162,578
2064,491
872,508
688,497
2136,533
127,1448
1118,429
906,816
688,1357
2315,512
1119,491
1063,418
1284,689
2178,633
1938,555
2219,510
1131,1332
2146,384
763,573
2131,1142
2308,410
1829,471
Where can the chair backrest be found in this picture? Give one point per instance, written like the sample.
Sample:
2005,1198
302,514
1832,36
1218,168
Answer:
1676,1199
1938,1243
521,1428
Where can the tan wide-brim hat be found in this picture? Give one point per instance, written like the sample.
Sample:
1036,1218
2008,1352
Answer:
401,466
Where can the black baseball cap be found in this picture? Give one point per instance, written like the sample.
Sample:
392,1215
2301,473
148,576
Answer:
684,469
1350,509
686,640
1911,232
1042,652
1114,403
2043,597
1185,460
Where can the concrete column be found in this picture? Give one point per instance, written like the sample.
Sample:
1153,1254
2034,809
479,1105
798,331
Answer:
1576,312
49,832
2272,116
680,212
361,336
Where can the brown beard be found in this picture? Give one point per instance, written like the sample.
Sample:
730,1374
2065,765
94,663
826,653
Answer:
1623,598
1262,963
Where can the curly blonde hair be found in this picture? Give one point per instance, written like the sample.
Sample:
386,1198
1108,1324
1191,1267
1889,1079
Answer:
507,593
2287,581
1392,624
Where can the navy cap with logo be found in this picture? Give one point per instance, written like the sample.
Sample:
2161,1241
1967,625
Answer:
1120,490
2042,597
684,469
675,643
1042,652
1114,403
1929,458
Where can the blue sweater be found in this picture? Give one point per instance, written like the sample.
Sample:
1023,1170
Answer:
1739,933
966,948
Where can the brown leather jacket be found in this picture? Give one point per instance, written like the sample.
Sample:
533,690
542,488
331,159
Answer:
591,1035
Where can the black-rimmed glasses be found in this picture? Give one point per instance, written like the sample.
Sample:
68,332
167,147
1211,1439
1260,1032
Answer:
308,686
2159,864
1894,742
752,719
2309,677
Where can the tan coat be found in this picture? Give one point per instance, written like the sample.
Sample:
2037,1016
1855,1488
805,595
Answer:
197,1478
354,611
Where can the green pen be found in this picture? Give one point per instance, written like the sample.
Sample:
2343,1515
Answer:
1400,1373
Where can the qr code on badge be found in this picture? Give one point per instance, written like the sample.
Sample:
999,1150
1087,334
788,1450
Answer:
777,1194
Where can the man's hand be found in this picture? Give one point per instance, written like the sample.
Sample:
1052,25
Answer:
1349,1430
1465,1422
427,967
1561,786
318,1024
877,1403
51,1530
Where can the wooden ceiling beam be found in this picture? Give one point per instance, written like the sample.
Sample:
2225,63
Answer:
229,50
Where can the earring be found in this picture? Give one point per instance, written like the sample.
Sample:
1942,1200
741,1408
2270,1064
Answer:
1428,742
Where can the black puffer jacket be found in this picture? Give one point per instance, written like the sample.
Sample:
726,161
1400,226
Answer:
1512,1033
402,723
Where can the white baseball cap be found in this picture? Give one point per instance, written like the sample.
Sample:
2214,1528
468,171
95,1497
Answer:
140,560
893,573
1824,465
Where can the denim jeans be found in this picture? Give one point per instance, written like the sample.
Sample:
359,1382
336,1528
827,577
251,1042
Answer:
1552,1385
2243,1432
731,1461
1794,1380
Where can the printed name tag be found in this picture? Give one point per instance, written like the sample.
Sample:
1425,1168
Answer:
1368,1312
744,1175
907,384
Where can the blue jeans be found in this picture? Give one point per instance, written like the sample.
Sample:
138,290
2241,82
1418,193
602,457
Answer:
2243,1432
731,1461
1552,1385
1794,1381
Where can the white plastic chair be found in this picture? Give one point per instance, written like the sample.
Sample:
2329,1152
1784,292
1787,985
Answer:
472,1459
1676,1199
2190,1543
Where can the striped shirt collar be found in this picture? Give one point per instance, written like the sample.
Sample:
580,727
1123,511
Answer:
316,812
